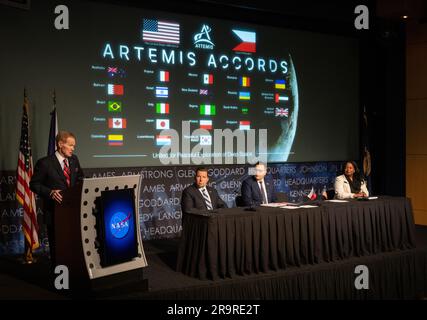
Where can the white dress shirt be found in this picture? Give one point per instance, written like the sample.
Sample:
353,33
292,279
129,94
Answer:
207,192
61,159
265,189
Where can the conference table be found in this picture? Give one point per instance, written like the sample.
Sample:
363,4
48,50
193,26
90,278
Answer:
240,241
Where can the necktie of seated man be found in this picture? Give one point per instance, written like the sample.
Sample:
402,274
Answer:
67,173
261,185
207,199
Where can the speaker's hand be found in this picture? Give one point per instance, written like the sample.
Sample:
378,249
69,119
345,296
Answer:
56,195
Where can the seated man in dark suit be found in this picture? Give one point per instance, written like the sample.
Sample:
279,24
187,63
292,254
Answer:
199,197
256,190
52,175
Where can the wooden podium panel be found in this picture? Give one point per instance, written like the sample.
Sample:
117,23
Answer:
76,235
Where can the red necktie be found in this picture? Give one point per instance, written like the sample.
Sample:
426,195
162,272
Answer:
67,172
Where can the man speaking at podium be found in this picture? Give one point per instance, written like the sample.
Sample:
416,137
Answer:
52,175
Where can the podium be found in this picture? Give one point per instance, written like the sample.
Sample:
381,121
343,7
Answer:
77,238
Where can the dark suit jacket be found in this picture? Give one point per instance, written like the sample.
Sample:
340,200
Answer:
251,193
192,200
48,175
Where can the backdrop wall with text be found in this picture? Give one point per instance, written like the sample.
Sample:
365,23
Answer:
160,205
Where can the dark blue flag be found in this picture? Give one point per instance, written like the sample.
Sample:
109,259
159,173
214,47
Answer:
51,146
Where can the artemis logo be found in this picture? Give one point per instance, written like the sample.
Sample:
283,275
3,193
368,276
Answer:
202,40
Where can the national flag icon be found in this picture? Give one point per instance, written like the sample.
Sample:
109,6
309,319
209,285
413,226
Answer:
117,123
160,31
114,106
112,71
245,125
205,140
279,84
203,92
115,89
245,81
245,110
164,76
162,124
281,112
205,124
115,139
162,108
208,78
248,39
279,98
163,140
244,95
312,195
162,92
208,109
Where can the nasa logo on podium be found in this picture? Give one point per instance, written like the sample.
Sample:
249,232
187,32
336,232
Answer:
119,224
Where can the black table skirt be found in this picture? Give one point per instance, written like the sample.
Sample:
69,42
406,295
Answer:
235,241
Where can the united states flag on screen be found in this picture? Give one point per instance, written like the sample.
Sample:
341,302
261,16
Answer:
160,31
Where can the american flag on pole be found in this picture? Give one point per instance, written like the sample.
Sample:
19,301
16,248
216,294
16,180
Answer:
160,31
23,193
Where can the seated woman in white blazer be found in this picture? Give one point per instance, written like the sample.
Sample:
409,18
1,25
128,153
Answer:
350,184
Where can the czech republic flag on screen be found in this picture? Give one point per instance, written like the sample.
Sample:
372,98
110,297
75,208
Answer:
248,39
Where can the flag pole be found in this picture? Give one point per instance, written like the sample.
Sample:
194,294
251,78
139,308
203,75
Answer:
366,161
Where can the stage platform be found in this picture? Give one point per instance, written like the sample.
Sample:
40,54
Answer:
393,275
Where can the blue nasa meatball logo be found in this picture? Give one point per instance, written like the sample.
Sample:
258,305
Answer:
119,225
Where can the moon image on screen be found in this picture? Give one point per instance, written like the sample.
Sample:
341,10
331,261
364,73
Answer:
279,150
